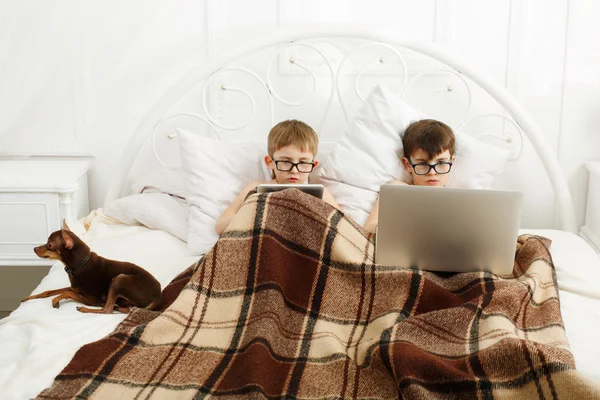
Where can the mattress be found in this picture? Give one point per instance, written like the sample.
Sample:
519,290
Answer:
37,341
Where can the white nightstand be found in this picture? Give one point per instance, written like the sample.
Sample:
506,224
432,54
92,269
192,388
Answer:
35,196
591,230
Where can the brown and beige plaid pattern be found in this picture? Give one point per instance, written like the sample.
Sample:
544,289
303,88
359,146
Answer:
289,304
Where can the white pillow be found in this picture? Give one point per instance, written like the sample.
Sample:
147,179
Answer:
367,156
170,181
476,163
154,210
355,201
216,173
370,155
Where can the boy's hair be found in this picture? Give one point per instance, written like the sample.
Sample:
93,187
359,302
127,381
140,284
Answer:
430,135
293,133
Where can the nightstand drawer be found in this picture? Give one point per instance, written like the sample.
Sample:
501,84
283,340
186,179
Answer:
27,221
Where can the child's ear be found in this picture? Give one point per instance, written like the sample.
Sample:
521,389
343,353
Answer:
67,239
316,163
406,164
453,158
270,163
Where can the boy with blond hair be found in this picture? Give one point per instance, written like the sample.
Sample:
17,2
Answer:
428,156
292,147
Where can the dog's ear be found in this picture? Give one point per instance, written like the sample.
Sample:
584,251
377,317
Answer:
65,226
67,239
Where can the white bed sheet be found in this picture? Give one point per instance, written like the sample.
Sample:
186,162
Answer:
37,341
578,274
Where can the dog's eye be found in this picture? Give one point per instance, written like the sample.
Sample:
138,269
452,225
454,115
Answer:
50,245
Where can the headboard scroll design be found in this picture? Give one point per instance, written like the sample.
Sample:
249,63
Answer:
230,88
378,60
215,75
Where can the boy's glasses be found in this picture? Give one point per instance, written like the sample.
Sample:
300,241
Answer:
287,166
441,167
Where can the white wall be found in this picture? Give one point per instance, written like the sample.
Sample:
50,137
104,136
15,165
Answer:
77,77
580,115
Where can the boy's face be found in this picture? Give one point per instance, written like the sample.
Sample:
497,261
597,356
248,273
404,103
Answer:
431,178
291,154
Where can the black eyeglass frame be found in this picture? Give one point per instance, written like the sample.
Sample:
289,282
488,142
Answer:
312,166
432,166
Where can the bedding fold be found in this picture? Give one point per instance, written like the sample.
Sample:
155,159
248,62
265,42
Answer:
290,304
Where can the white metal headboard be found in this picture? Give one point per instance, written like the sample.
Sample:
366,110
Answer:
282,46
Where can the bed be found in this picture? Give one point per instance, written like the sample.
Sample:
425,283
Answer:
216,118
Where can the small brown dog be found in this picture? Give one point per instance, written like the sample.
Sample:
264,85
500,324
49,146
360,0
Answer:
97,281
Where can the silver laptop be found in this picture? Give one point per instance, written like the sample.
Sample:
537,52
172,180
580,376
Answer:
445,229
309,188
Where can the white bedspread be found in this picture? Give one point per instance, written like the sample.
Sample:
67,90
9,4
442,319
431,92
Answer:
37,341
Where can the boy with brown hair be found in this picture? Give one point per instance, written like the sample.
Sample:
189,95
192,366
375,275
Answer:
292,146
429,147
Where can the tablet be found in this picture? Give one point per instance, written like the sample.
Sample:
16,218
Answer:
309,188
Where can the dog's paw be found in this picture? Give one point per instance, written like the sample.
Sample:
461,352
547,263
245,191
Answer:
55,304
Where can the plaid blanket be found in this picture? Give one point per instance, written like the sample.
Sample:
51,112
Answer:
289,304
